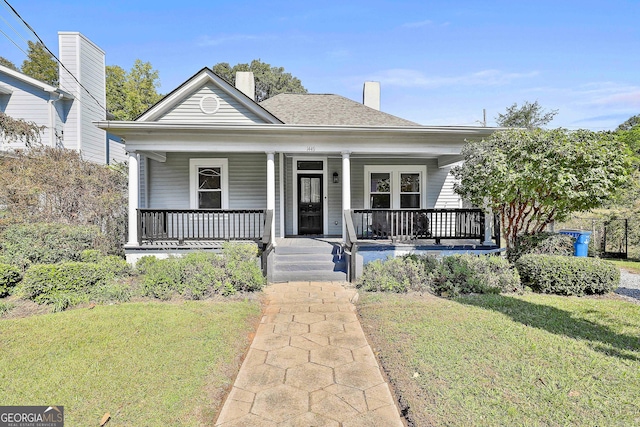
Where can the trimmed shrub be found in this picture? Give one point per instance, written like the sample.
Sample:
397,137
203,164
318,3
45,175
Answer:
162,278
242,269
63,284
201,274
563,275
394,275
542,243
27,244
9,277
70,283
90,255
464,274
114,266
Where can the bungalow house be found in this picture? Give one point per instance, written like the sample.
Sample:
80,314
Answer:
323,183
67,112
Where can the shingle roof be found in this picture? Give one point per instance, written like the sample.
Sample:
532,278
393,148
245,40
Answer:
318,109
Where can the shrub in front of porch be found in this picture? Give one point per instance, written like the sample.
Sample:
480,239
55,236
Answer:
202,274
466,274
70,283
412,272
563,275
454,275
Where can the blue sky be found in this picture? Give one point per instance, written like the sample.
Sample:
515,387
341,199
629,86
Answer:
439,62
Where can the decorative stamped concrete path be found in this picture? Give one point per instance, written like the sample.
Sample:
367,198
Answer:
310,365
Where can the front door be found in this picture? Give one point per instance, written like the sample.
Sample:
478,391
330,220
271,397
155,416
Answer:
310,204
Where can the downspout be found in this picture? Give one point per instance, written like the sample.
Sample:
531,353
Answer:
53,98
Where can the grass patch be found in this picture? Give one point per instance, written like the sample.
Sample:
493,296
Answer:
631,266
537,360
145,363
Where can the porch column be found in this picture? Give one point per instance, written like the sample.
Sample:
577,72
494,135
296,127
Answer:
134,189
488,223
271,188
346,190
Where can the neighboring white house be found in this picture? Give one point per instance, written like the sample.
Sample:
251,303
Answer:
207,163
67,111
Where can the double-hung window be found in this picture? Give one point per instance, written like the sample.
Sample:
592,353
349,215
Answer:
208,183
395,187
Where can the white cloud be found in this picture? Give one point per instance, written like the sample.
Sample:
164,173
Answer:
414,78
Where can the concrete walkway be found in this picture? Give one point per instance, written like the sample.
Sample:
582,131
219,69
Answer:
310,365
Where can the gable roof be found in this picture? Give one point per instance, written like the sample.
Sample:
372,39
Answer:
202,77
321,109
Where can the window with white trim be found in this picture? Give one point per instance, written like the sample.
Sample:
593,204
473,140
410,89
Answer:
208,183
395,186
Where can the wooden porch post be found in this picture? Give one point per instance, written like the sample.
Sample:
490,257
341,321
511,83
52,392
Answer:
346,190
134,189
271,188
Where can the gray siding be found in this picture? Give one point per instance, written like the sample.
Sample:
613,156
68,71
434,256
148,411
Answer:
86,61
25,102
230,111
117,153
169,181
448,199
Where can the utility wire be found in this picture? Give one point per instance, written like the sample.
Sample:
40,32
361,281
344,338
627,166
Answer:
12,41
54,56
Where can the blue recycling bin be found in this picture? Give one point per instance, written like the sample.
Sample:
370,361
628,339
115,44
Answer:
581,244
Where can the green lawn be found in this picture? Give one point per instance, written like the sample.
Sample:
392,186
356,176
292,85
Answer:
632,266
494,360
148,364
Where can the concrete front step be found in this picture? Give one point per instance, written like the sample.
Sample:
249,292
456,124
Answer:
308,259
309,276
310,266
327,248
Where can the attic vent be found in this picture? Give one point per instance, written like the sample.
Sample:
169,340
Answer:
209,104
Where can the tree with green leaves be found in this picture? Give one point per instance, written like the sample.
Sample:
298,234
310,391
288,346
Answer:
129,94
534,177
270,81
40,64
18,130
528,116
633,121
4,61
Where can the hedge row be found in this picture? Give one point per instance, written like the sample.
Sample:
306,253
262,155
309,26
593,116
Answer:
463,274
41,243
452,276
201,274
70,283
562,275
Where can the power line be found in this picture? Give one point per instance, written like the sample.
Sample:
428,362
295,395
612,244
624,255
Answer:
12,41
54,56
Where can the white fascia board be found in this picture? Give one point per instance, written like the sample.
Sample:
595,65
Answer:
29,80
4,90
176,137
203,77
